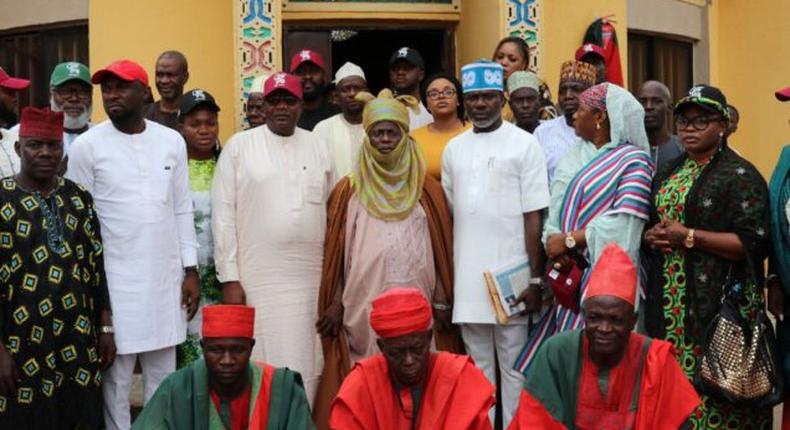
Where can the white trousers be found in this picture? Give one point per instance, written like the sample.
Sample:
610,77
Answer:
117,383
488,342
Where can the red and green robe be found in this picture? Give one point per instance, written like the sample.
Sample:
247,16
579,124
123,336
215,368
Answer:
646,390
276,400
456,396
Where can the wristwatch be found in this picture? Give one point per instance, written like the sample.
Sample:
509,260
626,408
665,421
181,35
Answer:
688,242
442,307
570,242
106,329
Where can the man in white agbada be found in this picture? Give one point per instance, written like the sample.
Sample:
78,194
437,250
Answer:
343,133
268,217
136,171
494,177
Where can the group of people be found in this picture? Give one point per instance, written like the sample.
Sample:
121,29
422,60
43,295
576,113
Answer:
345,236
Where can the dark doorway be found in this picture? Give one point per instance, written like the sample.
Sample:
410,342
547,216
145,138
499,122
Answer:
371,48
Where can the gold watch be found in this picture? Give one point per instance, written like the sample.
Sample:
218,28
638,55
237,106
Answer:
570,242
688,242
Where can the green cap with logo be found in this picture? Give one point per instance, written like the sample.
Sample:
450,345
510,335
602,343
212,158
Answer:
70,71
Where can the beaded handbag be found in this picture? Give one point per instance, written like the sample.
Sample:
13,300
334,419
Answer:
739,363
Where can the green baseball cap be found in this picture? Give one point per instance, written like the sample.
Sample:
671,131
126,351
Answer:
69,71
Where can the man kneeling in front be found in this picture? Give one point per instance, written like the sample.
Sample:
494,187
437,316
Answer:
223,390
605,376
408,387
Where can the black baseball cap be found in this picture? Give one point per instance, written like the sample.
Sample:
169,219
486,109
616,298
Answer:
707,97
409,55
194,98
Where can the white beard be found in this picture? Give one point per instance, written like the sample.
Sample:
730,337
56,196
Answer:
72,122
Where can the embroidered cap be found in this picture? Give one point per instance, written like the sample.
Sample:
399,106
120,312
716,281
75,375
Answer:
41,123
483,75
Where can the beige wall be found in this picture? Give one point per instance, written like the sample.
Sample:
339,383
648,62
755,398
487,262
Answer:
24,13
749,58
479,30
202,29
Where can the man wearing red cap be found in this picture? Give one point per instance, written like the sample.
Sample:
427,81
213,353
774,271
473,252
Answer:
9,88
136,171
605,376
591,53
224,389
268,218
54,304
310,67
407,386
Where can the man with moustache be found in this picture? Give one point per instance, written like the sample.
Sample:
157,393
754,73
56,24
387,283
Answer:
172,73
407,70
556,136
137,172
71,92
343,133
310,67
606,375
657,101
268,202
494,177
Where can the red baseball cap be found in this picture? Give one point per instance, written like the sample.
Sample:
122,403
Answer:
306,55
283,81
125,69
783,95
590,48
7,81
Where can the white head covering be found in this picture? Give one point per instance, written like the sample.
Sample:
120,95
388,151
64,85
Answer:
348,69
626,117
257,83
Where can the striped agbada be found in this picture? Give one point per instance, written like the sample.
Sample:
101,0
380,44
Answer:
604,191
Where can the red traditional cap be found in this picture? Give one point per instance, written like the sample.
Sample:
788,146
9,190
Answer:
41,123
783,95
283,81
12,83
228,321
400,311
125,69
614,274
304,56
590,48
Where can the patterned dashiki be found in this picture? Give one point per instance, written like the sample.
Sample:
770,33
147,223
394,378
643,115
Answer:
201,173
670,201
52,292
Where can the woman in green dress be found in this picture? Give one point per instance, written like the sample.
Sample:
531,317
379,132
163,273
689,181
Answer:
709,214
197,122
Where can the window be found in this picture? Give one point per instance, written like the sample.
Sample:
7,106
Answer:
652,57
32,53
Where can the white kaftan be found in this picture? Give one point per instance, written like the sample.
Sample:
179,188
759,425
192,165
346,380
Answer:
269,217
343,140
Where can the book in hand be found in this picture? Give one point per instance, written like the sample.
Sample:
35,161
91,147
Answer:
505,283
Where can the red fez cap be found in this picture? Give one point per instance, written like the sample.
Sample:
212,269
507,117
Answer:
41,123
125,69
614,274
307,55
228,321
283,81
400,311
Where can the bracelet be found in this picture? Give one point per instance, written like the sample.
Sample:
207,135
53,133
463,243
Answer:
442,307
536,281
106,329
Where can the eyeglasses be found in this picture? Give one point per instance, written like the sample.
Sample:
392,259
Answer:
73,92
435,94
698,122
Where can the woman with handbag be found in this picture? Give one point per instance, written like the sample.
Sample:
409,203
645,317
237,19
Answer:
600,195
707,241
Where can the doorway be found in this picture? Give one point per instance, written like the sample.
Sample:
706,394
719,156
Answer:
371,47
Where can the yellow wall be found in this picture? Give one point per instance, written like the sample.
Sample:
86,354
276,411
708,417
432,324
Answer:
563,25
749,62
140,30
479,30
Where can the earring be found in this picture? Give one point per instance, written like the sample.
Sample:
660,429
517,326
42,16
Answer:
597,125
